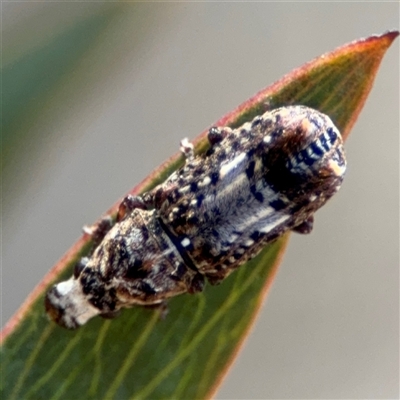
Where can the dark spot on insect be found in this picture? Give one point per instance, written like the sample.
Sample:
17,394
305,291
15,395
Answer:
223,253
257,195
274,236
282,179
214,135
207,250
256,122
214,178
193,220
235,146
306,158
250,153
332,134
193,187
147,288
135,271
324,142
98,298
80,266
93,285
231,136
276,133
178,221
123,252
299,157
221,156
216,212
256,235
179,272
316,149
316,122
277,204
339,157
87,284
174,197
197,284
215,233
145,234
200,170
200,199
113,259
250,169
266,123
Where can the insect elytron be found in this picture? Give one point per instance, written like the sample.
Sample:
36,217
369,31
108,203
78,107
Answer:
209,217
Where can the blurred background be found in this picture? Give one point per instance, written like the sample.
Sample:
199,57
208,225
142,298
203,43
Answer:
96,95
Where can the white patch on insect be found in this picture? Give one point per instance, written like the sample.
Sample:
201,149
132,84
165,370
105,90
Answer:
318,144
235,163
233,237
228,149
259,185
87,312
65,287
255,219
337,168
184,190
166,252
273,224
267,139
185,242
230,187
186,147
206,181
311,154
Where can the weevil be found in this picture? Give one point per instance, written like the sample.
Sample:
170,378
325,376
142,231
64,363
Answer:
216,212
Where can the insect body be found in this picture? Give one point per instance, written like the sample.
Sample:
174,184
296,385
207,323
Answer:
219,210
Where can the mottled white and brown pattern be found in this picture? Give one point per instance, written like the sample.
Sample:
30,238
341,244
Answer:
209,217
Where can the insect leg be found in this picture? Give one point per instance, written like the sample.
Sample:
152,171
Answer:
129,203
217,134
197,284
306,226
99,230
186,149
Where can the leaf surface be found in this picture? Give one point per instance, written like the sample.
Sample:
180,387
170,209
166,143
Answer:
185,355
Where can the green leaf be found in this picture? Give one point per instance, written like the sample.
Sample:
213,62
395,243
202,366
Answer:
31,77
186,355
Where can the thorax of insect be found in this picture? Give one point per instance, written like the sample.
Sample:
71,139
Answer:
209,217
